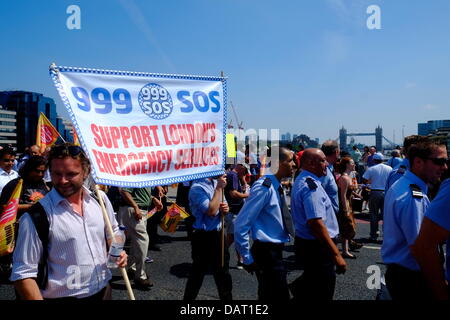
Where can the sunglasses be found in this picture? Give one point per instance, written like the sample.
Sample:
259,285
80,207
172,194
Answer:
8,160
63,150
438,161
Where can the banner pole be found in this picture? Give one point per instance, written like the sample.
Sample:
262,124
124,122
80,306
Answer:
222,233
111,235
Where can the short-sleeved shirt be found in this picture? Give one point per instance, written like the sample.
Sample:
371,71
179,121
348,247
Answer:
403,214
310,201
329,184
397,173
261,215
394,162
6,177
77,252
233,184
439,213
200,195
142,196
378,175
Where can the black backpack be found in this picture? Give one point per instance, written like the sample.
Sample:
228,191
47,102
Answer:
39,217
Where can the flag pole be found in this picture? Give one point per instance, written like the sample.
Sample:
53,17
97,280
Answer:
222,233
111,235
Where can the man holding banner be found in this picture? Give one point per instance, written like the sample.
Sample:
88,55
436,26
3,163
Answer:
76,249
206,203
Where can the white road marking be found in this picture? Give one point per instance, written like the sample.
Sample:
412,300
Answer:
370,247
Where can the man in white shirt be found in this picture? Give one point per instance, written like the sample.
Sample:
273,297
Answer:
7,157
376,176
76,249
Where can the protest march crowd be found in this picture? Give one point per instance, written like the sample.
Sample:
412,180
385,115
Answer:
58,246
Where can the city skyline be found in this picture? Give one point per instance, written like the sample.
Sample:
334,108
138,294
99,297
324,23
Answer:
300,66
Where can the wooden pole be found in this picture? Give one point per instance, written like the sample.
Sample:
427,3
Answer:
111,235
222,233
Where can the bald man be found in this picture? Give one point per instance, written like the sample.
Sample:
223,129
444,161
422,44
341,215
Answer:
316,229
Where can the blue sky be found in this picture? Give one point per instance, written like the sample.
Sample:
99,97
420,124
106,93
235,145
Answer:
305,66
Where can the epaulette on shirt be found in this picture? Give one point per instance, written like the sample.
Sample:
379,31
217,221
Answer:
311,184
267,182
416,192
401,169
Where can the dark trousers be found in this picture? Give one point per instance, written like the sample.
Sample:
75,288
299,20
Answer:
406,284
207,255
319,276
272,283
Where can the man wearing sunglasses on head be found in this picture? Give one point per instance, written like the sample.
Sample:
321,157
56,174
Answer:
74,249
405,205
7,157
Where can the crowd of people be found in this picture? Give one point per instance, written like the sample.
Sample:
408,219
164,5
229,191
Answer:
308,197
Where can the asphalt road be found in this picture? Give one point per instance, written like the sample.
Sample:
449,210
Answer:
171,266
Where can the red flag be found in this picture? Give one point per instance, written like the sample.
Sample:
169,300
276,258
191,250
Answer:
46,134
75,137
7,221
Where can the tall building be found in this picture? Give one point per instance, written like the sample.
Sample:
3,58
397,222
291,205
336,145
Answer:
8,127
28,106
288,137
432,126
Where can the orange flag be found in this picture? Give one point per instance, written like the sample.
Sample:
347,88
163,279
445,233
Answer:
46,133
75,137
7,221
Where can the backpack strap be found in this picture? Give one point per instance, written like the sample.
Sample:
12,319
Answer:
39,217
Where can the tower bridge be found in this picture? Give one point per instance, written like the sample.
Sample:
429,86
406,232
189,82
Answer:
378,138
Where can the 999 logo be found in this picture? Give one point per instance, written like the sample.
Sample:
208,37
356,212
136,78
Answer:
155,101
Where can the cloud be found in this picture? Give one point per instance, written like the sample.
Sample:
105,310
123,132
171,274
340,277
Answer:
410,85
429,107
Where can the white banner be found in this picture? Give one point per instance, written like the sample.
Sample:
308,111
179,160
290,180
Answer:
143,129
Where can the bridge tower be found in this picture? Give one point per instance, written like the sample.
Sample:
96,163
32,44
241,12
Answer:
343,139
379,138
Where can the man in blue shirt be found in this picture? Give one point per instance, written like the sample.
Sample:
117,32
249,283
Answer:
370,162
207,204
434,232
331,150
316,230
266,215
401,168
405,205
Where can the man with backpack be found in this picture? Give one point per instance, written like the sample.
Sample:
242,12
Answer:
61,250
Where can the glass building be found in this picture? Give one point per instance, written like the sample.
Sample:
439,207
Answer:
28,106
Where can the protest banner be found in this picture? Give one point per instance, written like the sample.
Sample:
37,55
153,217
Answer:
145,129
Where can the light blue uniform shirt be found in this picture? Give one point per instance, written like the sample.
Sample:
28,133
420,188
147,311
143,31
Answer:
261,214
329,184
439,212
394,175
200,195
311,203
403,215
